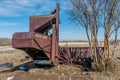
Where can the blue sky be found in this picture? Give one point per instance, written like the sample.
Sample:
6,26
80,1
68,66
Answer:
14,17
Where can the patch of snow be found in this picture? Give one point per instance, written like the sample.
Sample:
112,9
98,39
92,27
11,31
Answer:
10,78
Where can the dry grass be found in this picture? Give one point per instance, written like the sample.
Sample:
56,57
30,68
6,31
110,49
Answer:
112,68
8,54
62,72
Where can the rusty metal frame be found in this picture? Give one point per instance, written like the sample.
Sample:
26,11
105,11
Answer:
36,40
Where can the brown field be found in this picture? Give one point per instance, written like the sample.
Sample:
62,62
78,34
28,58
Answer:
5,42
61,72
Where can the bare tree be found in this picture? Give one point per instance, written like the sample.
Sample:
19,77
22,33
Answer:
92,14
111,20
87,14
116,36
116,24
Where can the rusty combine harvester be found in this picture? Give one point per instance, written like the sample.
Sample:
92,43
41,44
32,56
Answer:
38,42
43,47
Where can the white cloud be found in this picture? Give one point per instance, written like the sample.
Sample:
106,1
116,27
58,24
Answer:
29,7
8,24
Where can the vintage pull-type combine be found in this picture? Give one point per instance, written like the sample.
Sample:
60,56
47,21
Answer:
38,42
43,46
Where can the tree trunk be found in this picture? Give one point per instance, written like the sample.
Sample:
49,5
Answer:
115,42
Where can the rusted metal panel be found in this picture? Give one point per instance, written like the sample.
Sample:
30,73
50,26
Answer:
22,40
43,42
23,35
39,23
57,29
31,39
53,43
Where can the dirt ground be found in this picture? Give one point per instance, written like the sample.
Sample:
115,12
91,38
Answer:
60,72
